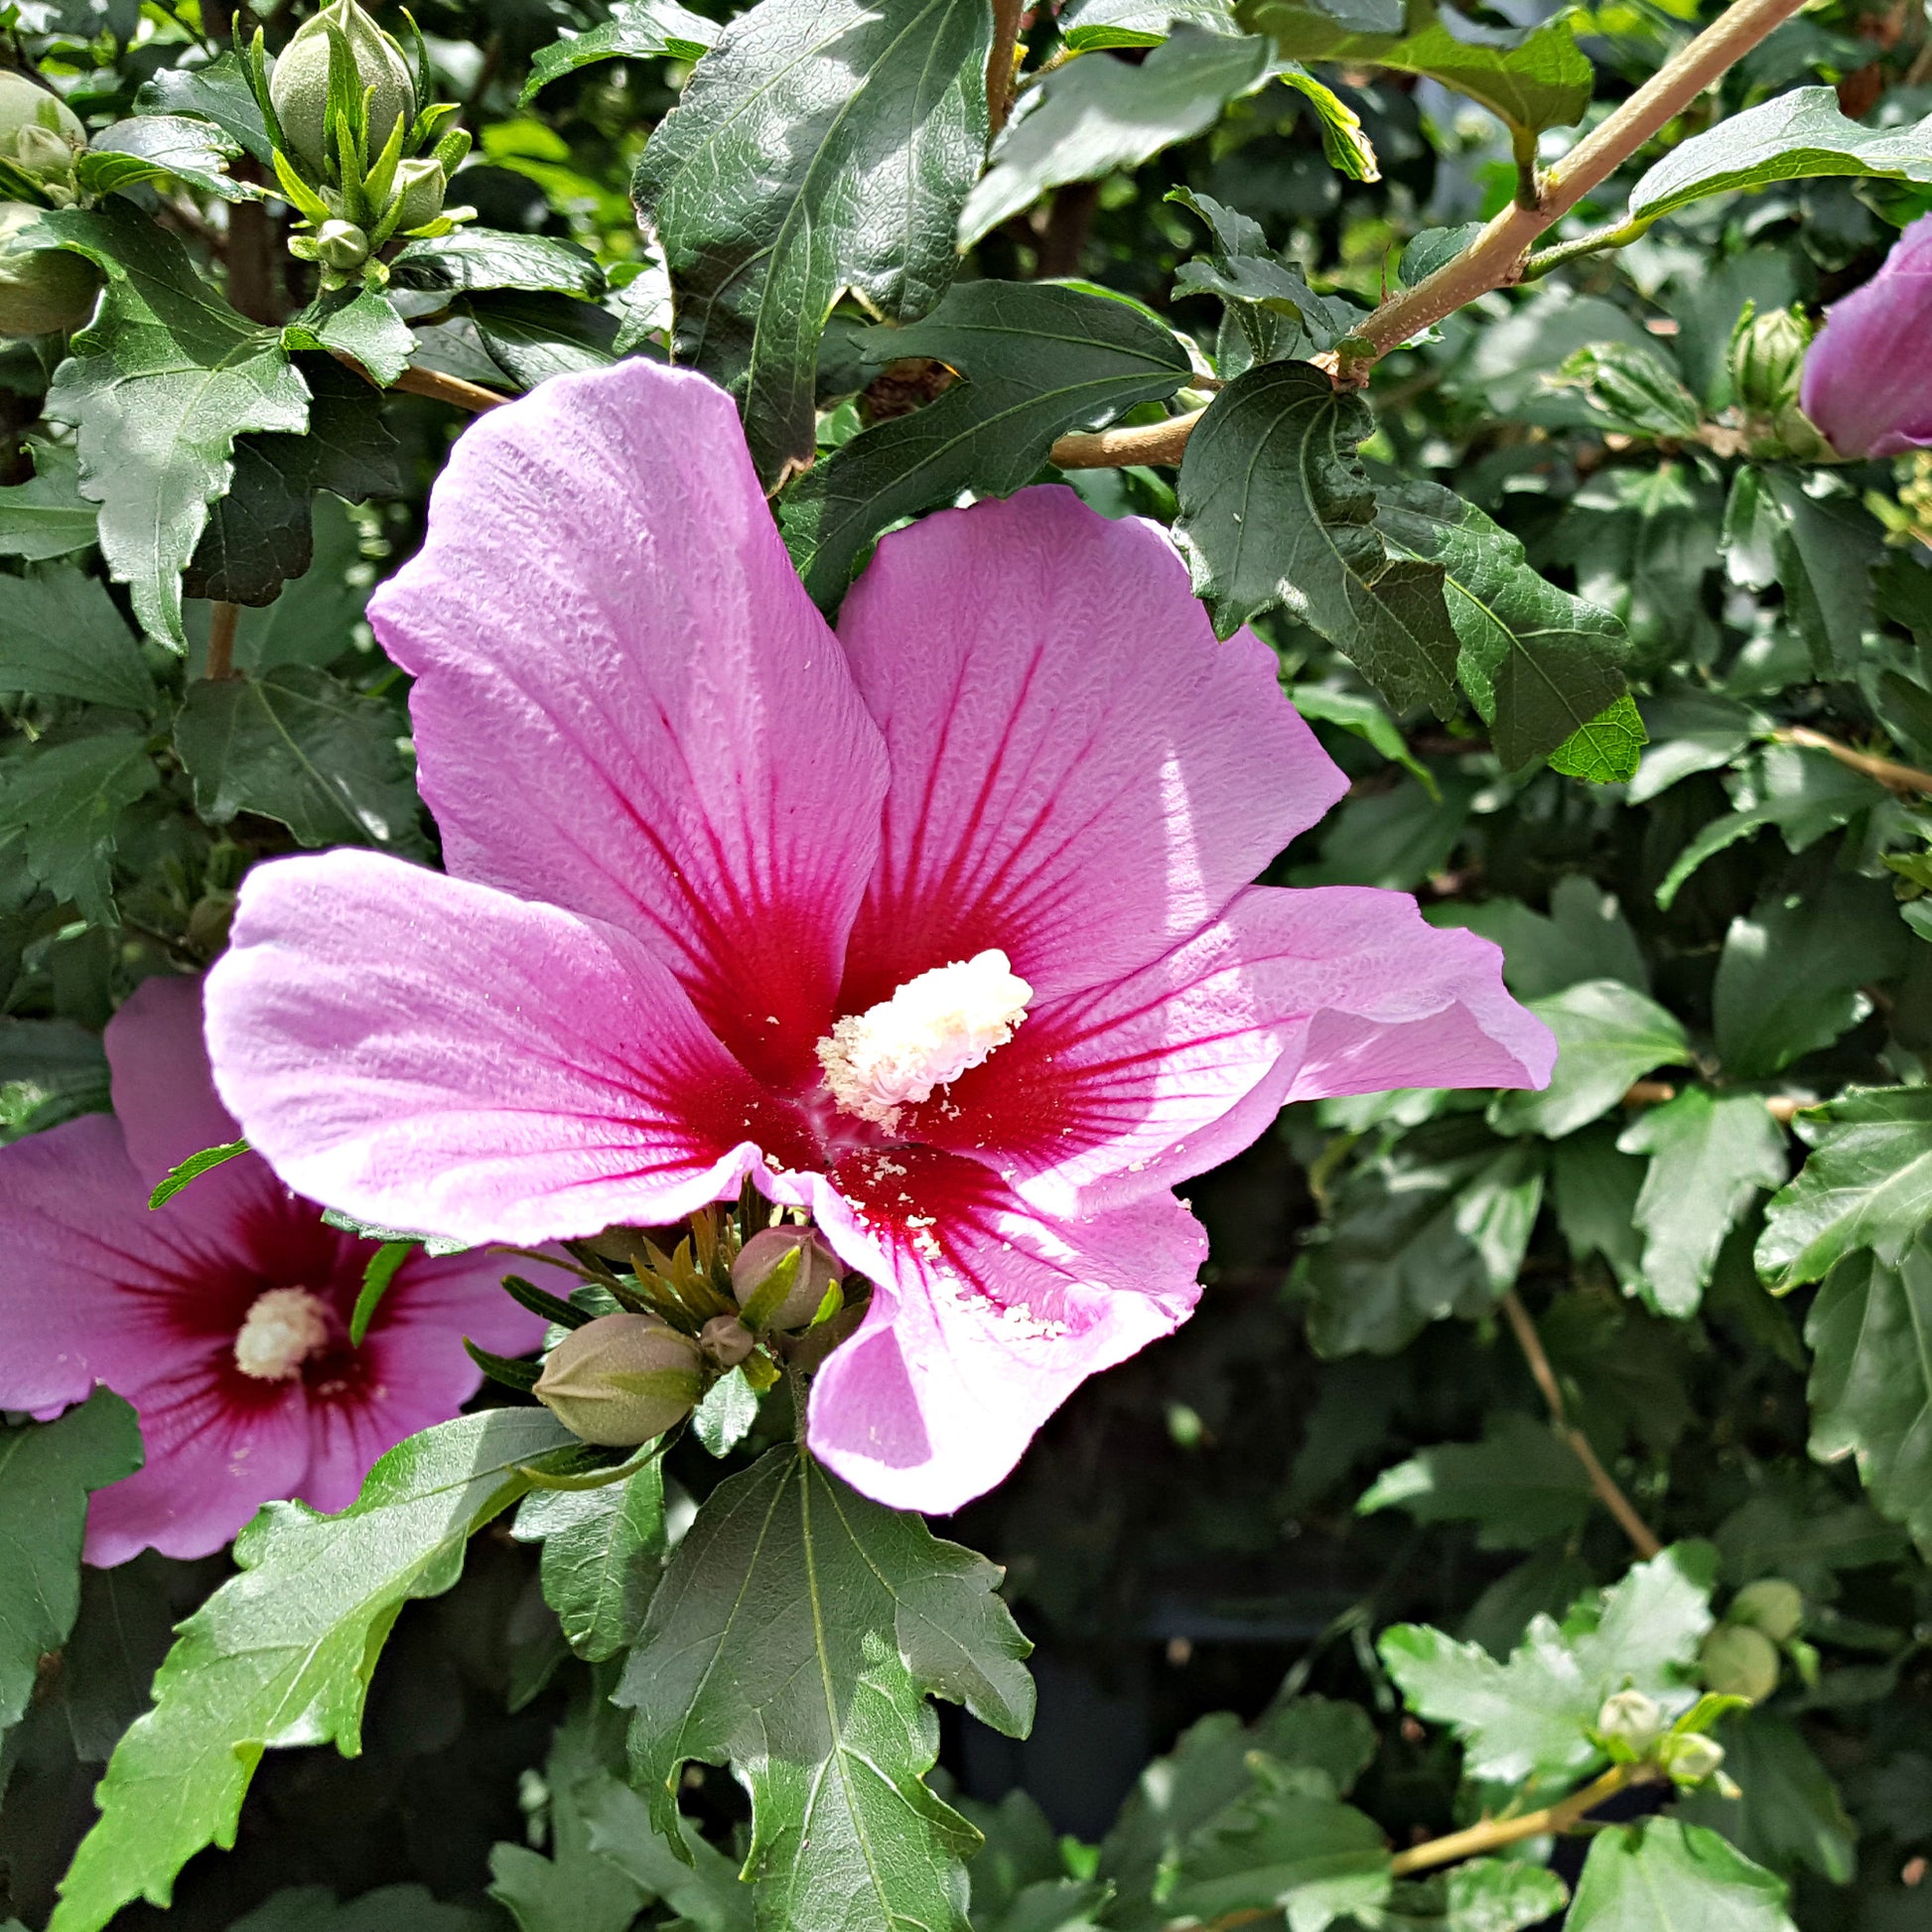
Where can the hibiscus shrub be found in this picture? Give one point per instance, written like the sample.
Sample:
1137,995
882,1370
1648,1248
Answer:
695,697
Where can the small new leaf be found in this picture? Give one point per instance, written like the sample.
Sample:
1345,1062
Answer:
177,1176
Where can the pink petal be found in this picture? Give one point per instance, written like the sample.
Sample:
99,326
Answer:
627,706
1107,1096
164,1095
427,1053
985,1318
1083,775
1868,377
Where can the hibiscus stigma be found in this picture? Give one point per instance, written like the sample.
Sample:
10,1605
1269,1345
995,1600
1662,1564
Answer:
926,1035
283,1328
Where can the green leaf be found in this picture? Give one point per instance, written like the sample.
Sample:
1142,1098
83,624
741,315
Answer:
217,91
67,800
696,1881
725,1417
1090,26
1871,1380
637,30
159,385
1867,1184
313,621
821,146
300,746
1597,1190
388,1908
1802,1530
62,637
1585,937
603,1551
1662,1876
1804,793
1365,718
1310,1858
472,258
1608,1034
1606,750
1689,731
1824,545
1538,79
46,516
47,1469
178,1175
1038,361
1799,135
798,1635
1526,1720
1099,114
1539,664
532,338
1630,389
1276,508
363,324
51,1070
1709,1153
1520,1485
160,147
283,1653
1790,1814
379,1275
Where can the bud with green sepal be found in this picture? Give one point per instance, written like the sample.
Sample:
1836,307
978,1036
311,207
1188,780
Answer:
1770,1605
1766,363
787,1278
41,138
1690,1758
1629,1726
1738,1661
726,1340
42,290
621,1379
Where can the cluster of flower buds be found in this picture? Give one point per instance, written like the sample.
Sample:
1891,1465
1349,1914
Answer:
1634,1730
1767,360
41,137
360,150
1741,1657
706,1309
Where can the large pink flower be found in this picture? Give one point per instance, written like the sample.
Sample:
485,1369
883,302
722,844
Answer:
1867,379
222,1316
939,926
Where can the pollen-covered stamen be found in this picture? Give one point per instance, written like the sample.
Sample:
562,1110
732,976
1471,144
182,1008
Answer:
928,1032
284,1326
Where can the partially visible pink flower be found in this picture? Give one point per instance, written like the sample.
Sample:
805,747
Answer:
1868,382
939,926
223,1317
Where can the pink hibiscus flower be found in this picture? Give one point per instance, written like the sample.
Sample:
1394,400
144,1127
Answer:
223,1317
940,926
1867,379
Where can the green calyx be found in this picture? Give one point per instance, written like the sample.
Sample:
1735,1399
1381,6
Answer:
42,290
339,58
1766,367
41,137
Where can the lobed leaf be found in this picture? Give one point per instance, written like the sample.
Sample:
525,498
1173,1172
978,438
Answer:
637,30
1661,1875
62,637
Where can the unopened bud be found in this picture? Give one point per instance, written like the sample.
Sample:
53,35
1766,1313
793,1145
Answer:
1770,1605
1690,1759
725,1340
1629,1717
420,187
341,245
1739,1663
41,288
621,1379
1768,356
39,132
299,88
781,1275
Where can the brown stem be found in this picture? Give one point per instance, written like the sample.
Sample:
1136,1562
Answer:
1495,258
1495,1832
447,388
1600,1480
221,620
998,63
1901,778
1654,1093
251,252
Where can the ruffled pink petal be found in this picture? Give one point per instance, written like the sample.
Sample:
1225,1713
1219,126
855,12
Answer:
1111,1095
1083,775
424,1052
1867,378
164,1095
218,1446
984,1319
626,704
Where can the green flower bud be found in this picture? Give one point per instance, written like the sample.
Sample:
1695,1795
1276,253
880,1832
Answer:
420,187
621,1379
755,1280
299,86
1629,1717
1692,1758
1771,1606
341,245
1739,1663
1767,354
726,1340
39,132
41,288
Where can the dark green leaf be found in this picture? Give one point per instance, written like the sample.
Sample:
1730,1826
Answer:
1585,937
160,384
46,516
1276,508
363,324
1608,1034
823,145
1824,545
603,1552
51,1070
1689,731
697,1882
67,800
313,620
533,337
798,1635
1038,360
1867,1184
1365,718
178,1175
1802,1530
637,30
1596,1189
1538,664
1520,1485
62,637
1790,1814
297,746
1090,26
474,258
156,147
1661,1876
1285,1851
217,91
283,1653
1630,389
1606,750
47,1469
1100,113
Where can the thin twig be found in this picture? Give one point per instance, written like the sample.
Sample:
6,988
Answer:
1496,257
1493,1833
447,388
222,617
998,63
1901,778
1600,1480
1782,1107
